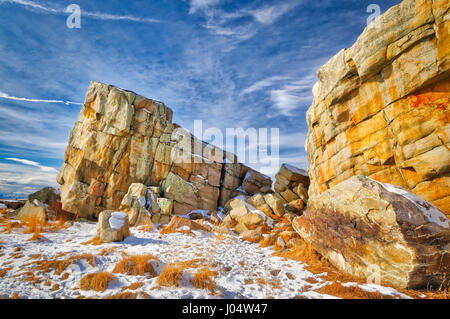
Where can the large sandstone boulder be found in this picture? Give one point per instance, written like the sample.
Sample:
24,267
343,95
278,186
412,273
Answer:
381,107
378,231
112,226
43,205
33,211
122,138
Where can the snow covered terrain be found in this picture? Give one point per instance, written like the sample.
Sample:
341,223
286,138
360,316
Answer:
244,270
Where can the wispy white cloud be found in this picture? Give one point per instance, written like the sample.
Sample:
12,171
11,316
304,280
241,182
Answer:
95,15
197,5
286,94
220,22
32,163
263,84
270,13
9,97
18,180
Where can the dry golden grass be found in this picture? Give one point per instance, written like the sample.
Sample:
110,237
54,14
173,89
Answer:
133,286
96,281
36,236
33,225
124,295
29,277
4,271
94,241
48,283
261,281
147,227
55,287
34,256
59,266
170,276
204,279
306,253
107,251
64,276
137,265
351,292
14,296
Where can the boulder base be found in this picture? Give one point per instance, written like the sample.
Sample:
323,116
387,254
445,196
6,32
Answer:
376,231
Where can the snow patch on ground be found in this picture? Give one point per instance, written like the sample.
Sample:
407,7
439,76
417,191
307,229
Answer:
245,270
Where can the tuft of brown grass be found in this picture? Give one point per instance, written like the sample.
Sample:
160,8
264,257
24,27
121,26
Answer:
55,287
306,253
124,295
107,251
204,279
147,227
137,265
94,241
351,292
261,281
4,271
267,241
170,276
133,286
64,276
96,281
14,296
60,265
30,277
33,225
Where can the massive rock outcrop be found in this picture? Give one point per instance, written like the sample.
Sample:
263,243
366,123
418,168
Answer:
380,233
122,138
381,108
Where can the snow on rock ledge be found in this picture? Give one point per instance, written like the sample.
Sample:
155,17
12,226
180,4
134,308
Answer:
376,231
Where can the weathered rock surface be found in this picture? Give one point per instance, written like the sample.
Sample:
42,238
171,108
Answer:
33,210
43,205
372,230
381,107
122,138
112,226
181,224
291,187
139,203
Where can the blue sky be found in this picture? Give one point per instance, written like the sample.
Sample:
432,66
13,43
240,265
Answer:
227,63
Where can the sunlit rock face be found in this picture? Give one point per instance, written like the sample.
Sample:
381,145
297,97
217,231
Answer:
379,232
122,138
381,107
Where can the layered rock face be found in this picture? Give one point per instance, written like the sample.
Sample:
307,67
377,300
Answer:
379,232
381,108
292,185
122,138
